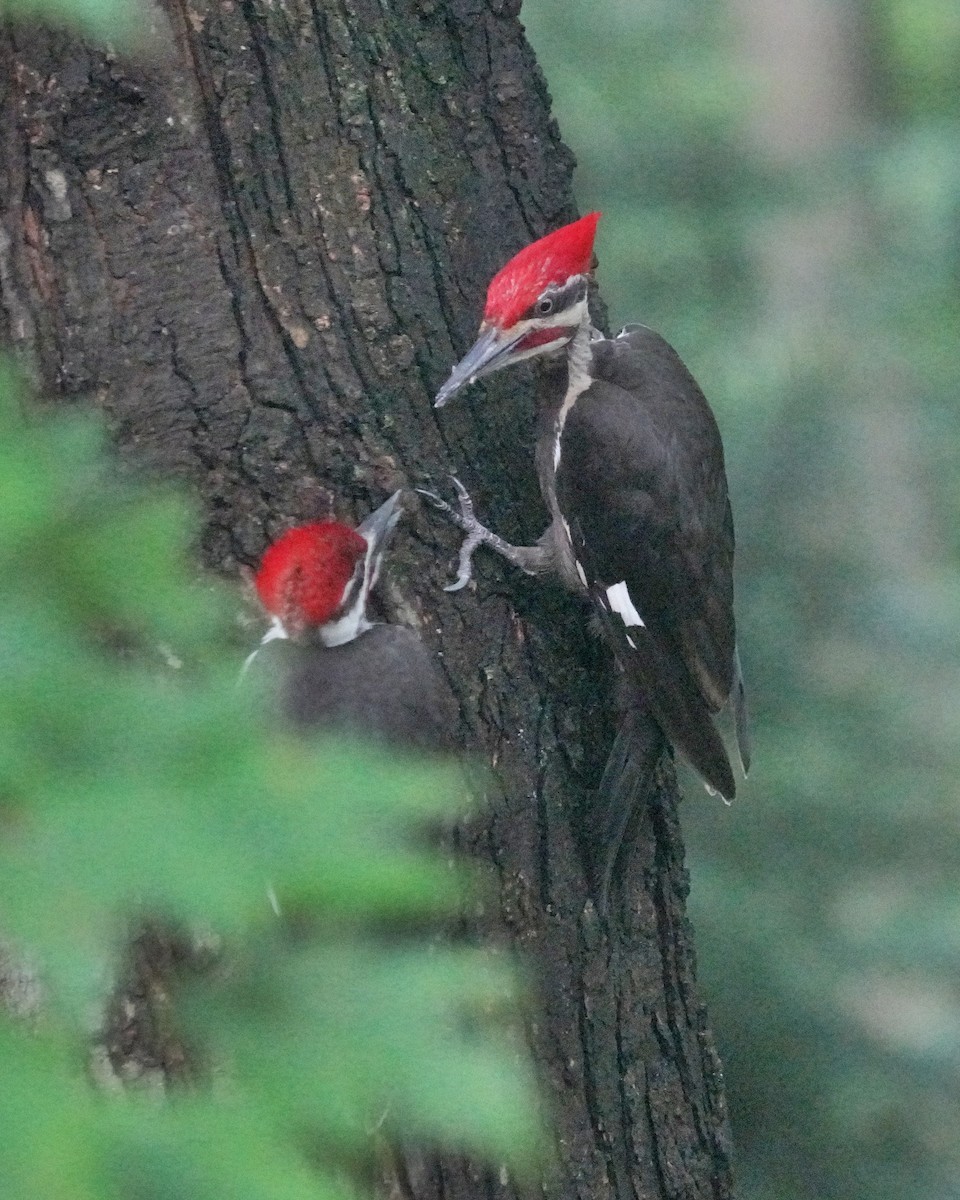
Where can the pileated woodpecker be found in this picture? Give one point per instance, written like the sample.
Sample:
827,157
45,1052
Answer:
334,667
631,469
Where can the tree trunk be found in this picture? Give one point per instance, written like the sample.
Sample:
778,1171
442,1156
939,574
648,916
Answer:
260,253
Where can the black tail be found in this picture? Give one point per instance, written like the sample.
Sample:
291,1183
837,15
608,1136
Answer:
670,692
627,785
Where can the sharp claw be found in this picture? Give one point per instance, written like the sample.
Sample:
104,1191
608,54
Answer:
466,520
435,500
461,581
465,565
466,504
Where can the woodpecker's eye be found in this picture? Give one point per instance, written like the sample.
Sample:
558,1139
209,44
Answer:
544,307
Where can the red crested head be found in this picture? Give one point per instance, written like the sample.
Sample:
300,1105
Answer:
552,260
304,574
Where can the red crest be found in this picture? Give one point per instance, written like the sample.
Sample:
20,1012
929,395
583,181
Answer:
304,573
553,259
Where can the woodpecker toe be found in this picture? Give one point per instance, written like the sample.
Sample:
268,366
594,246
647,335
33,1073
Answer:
464,573
435,500
465,564
466,520
466,504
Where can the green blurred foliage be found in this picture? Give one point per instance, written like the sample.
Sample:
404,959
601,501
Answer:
124,23
136,777
646,99
825,900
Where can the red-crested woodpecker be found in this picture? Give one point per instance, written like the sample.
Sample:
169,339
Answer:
335,668
631,469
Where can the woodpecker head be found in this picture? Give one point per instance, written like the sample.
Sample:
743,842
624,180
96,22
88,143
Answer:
535,304
318,577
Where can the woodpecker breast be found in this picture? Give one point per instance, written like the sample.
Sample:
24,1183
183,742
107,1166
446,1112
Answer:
384,684
632,468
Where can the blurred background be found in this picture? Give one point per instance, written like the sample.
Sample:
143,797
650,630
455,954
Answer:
780,183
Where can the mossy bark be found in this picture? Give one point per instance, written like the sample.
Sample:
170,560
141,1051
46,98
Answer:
259,252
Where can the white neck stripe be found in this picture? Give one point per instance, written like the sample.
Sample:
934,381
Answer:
579,355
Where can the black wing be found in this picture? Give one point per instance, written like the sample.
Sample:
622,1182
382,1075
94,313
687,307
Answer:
642,482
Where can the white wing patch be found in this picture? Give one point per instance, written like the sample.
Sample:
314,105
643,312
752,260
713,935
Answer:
622,605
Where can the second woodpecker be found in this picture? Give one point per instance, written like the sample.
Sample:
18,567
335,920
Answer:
631,469
333,668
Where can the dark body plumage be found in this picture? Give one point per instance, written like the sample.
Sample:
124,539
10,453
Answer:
640,483
631,468
383,684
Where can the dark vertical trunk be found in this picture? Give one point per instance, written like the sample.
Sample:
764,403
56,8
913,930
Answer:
260,255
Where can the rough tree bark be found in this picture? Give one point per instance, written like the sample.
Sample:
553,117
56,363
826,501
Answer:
260,255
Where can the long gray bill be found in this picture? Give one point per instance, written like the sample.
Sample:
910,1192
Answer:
482,358
381,522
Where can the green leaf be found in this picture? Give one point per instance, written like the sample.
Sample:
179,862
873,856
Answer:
52,1137
335,1019
193,1149
137,780
185,811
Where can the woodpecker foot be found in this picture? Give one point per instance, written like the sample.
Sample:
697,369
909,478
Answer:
465,519
534,560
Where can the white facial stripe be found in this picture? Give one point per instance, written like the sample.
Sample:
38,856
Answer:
566,321
350,625
534,351
371,570
569,318
579,356
620,602
352,619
